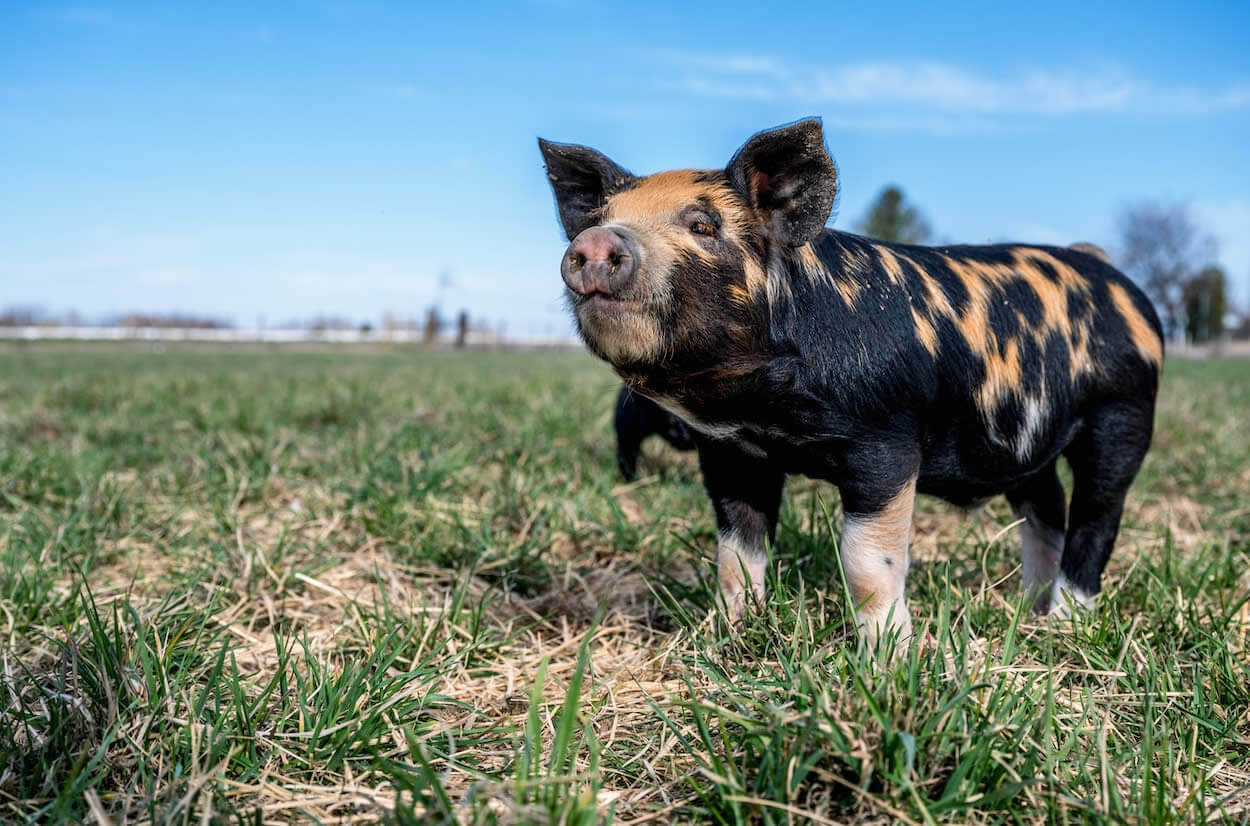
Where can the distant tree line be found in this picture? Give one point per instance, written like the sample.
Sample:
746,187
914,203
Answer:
431,327
19,316
25,316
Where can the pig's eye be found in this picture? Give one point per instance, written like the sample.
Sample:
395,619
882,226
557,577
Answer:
703,228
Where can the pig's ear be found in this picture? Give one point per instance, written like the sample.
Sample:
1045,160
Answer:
787,175
581,179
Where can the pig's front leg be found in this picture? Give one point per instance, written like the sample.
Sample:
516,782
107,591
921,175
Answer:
875,537
745,488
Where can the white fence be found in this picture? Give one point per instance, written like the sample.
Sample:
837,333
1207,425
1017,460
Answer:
276,336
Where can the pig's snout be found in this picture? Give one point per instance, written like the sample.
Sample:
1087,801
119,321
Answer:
600,261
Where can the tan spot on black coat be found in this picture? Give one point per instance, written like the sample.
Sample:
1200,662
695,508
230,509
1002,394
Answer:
1058,311
925,332
846,280
1144,337
984,282
755,277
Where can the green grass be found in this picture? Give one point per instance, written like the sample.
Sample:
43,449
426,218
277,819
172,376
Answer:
255,586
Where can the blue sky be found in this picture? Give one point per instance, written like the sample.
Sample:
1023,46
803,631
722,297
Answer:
299,159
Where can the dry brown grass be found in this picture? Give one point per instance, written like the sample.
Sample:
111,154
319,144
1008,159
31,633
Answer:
391,584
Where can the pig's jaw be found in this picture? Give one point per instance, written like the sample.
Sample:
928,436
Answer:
620,332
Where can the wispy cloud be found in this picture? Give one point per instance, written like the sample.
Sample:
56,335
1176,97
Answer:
936,123
948,88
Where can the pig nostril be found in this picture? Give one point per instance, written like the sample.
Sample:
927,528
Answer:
577,260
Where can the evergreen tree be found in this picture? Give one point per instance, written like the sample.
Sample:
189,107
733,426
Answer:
1205,305
892,219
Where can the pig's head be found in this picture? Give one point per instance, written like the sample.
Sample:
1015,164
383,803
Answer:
672,268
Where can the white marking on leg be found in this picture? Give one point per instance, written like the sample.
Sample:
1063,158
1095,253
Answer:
1064,596
875,559
1041,548
740,565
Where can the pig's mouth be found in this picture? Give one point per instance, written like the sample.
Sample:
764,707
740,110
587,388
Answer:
620,329
605,302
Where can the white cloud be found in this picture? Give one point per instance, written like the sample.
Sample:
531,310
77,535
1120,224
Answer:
949,88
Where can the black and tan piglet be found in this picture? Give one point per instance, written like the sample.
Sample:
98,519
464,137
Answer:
890,370
636,419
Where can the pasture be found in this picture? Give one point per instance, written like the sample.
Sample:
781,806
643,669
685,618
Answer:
267,587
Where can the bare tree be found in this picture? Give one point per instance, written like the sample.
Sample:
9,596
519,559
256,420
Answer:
462,329
433,326
1163,250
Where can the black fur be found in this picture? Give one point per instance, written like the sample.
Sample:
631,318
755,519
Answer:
788,173
581,179
848,394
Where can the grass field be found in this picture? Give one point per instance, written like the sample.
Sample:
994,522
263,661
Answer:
270,587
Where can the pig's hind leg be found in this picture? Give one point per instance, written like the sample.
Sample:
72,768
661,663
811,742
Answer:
1039,501
1105,458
